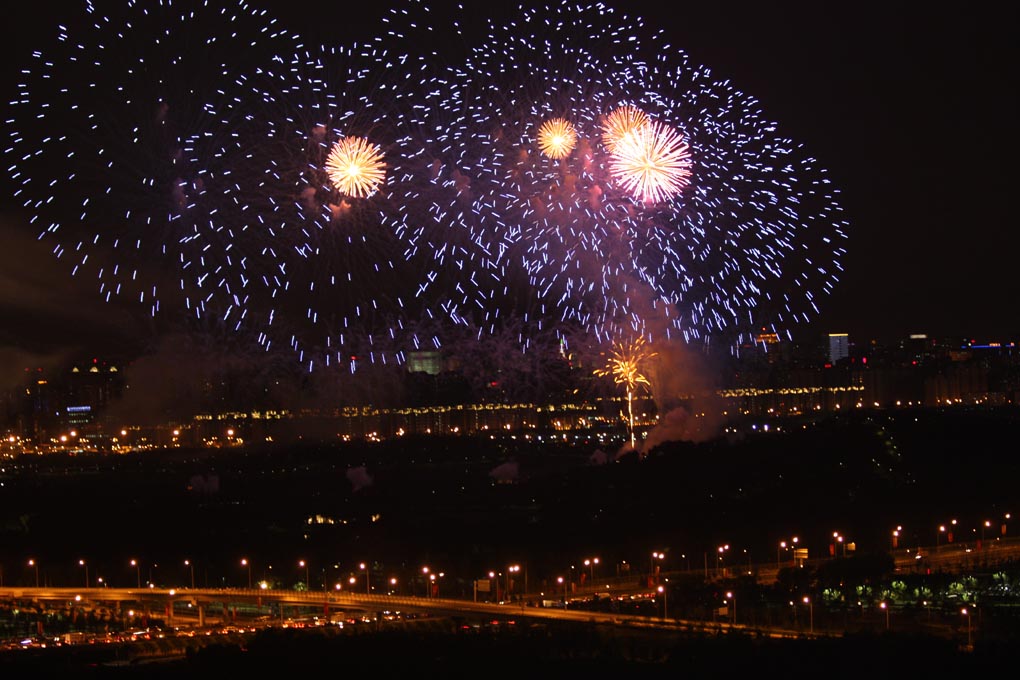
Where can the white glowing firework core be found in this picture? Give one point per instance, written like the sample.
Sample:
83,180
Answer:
557,138
652,162
355,167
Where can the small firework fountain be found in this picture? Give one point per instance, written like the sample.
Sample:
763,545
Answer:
624,365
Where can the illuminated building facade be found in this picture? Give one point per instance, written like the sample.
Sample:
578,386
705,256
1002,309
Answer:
839,347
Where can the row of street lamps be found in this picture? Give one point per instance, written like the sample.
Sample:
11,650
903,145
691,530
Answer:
592,562
430,579
949,528
34,564
655,565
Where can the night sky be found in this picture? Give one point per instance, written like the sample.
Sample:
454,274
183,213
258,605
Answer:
911,111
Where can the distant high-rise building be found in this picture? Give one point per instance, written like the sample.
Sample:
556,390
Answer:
429,362
839,347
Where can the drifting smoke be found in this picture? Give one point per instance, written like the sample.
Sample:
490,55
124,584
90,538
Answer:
505,473
359,478
683,386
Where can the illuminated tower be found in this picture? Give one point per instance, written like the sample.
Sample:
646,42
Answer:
839,347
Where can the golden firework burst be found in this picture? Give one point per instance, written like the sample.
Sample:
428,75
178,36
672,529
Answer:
624,365
652,162
557,138
620,122
355,167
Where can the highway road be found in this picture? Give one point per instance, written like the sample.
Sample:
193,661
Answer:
168,603
201,607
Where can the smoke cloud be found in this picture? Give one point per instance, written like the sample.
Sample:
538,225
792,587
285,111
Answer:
684,386
359,478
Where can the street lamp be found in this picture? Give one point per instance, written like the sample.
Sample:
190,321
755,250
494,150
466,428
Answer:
896,537
885,606
425,577
560,580
591,563
138,572
719,565
730,595
811,613
246,563
33,563
651,564
81,563
783,545
837,541
512,569
944,530
188,563
966,612
368,588
308,585
665,602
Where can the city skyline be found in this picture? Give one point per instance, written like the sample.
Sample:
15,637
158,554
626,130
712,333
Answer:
867,98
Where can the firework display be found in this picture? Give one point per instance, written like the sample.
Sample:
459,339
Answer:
621,122
557,138
624,365
651,162
358,269
681,213
355,167
105,145
358,202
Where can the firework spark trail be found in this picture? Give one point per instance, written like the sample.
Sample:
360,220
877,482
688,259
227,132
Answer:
748,234
507,206
651,162
626,361
557,138
562,227
625,364
356,167
356,276
111,126
331,281
621,122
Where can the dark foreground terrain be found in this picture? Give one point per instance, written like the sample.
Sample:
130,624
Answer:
468,505
544,651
